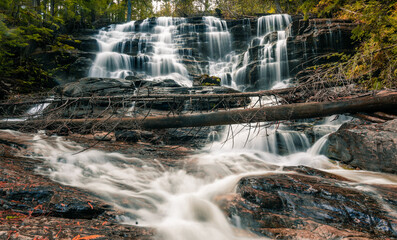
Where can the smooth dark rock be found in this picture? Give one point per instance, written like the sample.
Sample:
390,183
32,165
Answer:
365,146
127,136
87,87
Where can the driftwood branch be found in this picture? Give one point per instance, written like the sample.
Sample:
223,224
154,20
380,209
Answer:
382,102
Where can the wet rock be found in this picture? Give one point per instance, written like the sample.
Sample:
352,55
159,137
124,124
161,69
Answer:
310,205
168,83
87,87
127,136
140,81
193,137
365,146
241,34
103,137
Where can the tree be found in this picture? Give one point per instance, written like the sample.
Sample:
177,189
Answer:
129,11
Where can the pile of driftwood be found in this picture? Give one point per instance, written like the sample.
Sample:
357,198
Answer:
291,103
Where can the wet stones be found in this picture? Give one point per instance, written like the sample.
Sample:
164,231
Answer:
127,136
310,204
206,80
365,146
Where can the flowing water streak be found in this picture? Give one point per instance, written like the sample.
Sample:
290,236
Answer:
220,55
180,201
274,58
148,48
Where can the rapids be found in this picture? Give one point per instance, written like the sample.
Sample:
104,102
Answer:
181,202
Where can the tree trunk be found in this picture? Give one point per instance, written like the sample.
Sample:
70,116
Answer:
381,102
52,6
129,11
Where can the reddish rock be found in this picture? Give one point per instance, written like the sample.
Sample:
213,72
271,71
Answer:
310,204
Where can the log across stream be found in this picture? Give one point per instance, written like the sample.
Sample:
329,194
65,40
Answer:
382,102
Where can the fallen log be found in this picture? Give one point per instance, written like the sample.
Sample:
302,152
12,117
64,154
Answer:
369,118
385,116
382,102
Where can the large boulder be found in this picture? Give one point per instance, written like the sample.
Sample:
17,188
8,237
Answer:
206,80
87,87
365,146
309,204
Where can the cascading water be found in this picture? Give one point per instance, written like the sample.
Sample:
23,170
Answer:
149,48
180,201
273,70
265,63
168,47
33,112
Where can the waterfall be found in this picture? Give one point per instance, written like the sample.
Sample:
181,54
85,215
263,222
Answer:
273,70
272,23
265,62
218,36
179,48
33,112
148,48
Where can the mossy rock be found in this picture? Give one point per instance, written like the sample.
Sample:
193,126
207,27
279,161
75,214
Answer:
206,80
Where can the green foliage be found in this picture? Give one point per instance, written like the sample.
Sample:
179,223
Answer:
375,63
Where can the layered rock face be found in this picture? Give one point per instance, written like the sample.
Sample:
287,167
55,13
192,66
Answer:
247,54
310,204
318,37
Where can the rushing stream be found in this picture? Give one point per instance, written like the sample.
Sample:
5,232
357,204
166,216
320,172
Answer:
181,202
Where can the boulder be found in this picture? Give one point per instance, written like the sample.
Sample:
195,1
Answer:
206,80
127,136
308,204
366,146
87,87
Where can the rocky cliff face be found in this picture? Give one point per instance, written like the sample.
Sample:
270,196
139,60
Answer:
317,37
237,51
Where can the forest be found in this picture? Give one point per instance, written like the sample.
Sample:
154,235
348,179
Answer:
49,25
